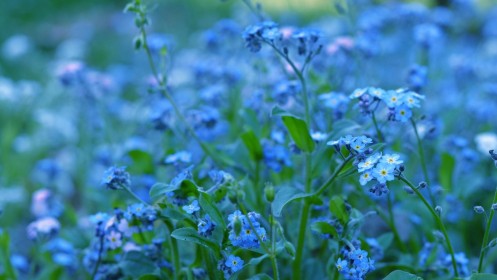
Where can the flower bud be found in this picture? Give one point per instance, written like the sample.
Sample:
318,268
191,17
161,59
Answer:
494,207
290,249
422,185
269,192
438,209
478,209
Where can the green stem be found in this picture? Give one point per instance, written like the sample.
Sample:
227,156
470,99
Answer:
485,236
304,217
163,90
257,185
301,78
174,251
391,221
423,161
263,245
438,221
378,131
333,176
99,258
274,262
134,195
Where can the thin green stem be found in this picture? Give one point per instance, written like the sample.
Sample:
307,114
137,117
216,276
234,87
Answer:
134,195
274,261
438,221
263,245
304,217
257,185
423,161
378,131
301,78
163,89
485,236
254,10
174,251
391,222
99,257
333,176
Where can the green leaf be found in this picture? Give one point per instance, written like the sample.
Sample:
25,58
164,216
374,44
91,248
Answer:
343,127
253,144
401,275
299,132
337,207
261,276
186,187
150,277
210,208
191,235
446,170
284,196
8,269
385,240
143,162
483,276
324,228
135,264
277,111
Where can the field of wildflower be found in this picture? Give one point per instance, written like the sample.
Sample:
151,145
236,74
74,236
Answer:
246,139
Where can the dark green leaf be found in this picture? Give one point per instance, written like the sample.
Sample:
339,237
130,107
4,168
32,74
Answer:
284,196
342,128
385,240
401,275
210,208
143,163
337,207
299,132
324,228
136,264
191,235
150,277
446,171
483,276
253,145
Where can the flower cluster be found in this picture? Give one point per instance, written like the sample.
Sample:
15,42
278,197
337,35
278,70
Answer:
399,102
355,264
306,42
116,178
357,144
380,168
245,231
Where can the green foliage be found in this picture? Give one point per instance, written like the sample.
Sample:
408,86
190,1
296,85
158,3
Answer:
284,196
401,275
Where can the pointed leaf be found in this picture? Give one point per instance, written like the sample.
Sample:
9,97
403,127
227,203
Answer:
401,275
337,207
299,132
191,235
253,144
284,196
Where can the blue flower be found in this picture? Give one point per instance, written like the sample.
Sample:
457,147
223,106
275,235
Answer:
403,113
116,178
234,262
192,208
365,178
393,98
383,172
369,162
391,159
342,266
206,226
